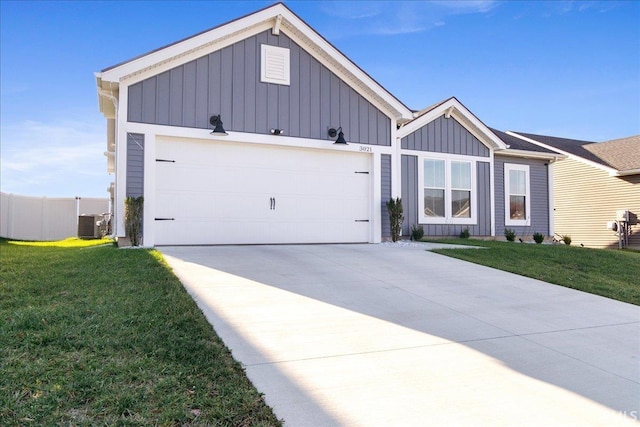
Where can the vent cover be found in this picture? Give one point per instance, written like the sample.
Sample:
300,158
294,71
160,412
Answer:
275,65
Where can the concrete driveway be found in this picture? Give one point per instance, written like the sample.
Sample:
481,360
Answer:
381,335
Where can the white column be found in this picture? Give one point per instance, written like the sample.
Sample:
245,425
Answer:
149,189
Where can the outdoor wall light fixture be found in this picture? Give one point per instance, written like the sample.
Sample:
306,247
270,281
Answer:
216,122
277,131
333,132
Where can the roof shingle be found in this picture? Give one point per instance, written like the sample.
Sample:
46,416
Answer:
622,154
519,144
571,146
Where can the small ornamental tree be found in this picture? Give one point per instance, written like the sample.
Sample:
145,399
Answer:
394,207
133,219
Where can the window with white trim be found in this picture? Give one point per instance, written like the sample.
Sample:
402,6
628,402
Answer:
517,195
448,191
275,65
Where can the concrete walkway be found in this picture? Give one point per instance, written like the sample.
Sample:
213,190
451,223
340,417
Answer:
381,335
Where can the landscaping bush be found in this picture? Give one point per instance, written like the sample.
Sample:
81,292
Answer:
509,234
538,237
417,233
133,209
394,207
464,234
566,239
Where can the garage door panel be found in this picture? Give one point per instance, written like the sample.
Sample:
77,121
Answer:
224,193
212,206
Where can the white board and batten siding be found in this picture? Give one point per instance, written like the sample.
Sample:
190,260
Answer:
235,193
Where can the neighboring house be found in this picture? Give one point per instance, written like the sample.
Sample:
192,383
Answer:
591,185
284,96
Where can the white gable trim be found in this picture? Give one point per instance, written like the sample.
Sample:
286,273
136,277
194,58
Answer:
275,17
611,171
453,108
511,152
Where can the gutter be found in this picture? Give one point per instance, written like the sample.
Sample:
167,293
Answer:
626,172
512,152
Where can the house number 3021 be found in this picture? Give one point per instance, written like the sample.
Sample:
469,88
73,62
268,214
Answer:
366,149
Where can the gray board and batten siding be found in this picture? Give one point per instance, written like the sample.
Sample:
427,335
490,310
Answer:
445,136
538,186
135,165
411,191
227,82
385,181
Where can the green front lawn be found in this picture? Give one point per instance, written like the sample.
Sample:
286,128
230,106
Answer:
105,336
607,272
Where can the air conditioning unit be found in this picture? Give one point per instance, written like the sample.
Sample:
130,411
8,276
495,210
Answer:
88,226
627,216
622,215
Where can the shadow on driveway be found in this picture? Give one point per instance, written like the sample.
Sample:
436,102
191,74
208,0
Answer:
379,335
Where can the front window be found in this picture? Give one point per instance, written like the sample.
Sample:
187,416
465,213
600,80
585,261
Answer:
517,195
448,191
434,188
461,189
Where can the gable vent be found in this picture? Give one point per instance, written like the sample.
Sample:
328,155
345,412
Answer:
275,65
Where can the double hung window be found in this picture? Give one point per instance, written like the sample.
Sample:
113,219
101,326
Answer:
448,191
517,195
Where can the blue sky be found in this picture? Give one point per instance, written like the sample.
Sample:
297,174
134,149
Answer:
562,68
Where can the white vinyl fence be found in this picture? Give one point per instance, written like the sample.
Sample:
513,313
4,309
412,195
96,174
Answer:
44,218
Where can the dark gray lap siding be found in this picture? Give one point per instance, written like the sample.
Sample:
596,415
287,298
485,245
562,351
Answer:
411,192
227,82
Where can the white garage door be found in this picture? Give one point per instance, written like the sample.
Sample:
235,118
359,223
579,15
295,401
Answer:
234,193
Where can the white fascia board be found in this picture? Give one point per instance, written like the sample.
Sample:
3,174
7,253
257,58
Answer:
178,54
512,152
611,171
455,109
213,40
342,65
625,172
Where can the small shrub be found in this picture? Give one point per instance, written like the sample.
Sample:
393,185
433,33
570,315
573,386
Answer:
509,234
566,239
538,237
394,207
417,233
464,234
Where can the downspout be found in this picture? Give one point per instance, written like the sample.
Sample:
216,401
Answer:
550,183
109,95
113,99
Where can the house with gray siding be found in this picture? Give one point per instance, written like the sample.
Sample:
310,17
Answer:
311,147
459,174
596,189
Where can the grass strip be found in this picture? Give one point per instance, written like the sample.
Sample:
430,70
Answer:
606,272
110,337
